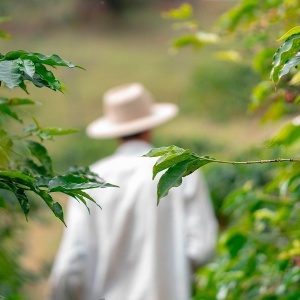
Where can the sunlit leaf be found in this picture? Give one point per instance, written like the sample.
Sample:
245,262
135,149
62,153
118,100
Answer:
291,63
184,12
196,40
243,11
28,67
232,56
289,33
164,150
173,176
283,55
260,93
10,73
17,175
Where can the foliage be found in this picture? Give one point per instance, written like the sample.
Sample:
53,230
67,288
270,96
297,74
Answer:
179,163
258,250
25,164
26,171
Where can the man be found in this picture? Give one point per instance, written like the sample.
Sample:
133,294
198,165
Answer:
133,249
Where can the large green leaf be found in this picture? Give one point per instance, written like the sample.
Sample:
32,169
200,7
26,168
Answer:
168,160
71,182
292,31
28,67
10,73
179,162
54,206
173,176
283,55
23,200
291,63
164,150
47,76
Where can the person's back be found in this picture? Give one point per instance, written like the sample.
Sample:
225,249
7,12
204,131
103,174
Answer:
133,249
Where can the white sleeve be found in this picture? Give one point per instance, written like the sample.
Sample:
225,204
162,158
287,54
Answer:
66,279
201,223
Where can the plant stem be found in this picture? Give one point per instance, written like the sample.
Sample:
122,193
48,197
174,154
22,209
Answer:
261,161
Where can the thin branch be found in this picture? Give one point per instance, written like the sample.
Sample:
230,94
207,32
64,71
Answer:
261,161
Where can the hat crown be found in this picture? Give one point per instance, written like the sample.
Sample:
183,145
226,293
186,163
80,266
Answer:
127,103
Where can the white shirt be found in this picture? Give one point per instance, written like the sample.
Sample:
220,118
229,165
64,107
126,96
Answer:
133,249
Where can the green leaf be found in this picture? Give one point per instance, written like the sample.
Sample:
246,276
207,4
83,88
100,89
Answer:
295,80
23,200
8,175
40,152
287,135
52,131
235,243
287,51
47,76
13,55
54,206
4,109
46,133
58,211
168,160
51,60
173,176
184,12
4,186
260,93
79,195
164,150
289,33
188,40
291,63
28,67
4,35
71,182
10,73
243,11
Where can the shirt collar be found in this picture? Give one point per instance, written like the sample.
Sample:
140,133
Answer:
134,148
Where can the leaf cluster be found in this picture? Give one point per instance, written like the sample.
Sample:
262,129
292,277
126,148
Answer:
16,67
25,165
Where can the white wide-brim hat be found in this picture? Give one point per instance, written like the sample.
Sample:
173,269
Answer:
129,109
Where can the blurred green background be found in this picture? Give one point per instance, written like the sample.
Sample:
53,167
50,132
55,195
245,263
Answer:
116,47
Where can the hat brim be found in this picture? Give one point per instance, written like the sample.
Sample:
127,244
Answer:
104,128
